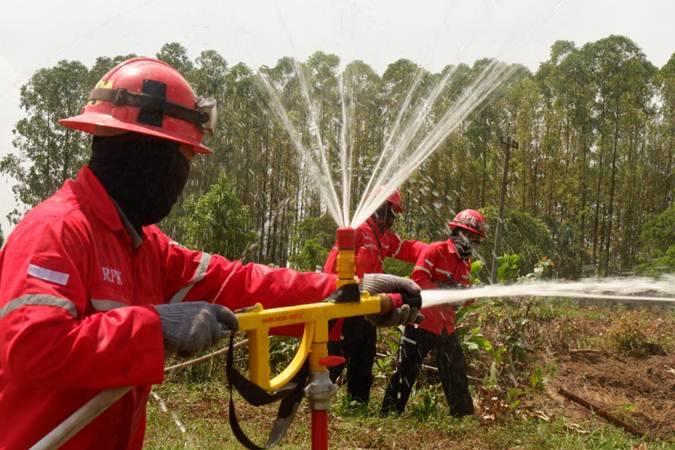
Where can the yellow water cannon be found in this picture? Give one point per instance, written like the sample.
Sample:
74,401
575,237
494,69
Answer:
256,322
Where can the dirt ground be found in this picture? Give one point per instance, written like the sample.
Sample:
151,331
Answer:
639,391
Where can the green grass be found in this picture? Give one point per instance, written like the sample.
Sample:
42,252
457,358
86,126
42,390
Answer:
198,395
202,409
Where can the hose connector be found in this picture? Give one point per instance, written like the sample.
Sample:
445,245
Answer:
346,265
389,302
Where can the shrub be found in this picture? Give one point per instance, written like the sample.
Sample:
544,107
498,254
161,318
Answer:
311,257
659,266
521,233
626,337
313,239
658,234
508,268
217,222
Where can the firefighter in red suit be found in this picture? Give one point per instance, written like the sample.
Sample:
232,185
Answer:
374,241
93,294
442,265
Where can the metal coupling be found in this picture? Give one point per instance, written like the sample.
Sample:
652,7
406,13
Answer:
320,390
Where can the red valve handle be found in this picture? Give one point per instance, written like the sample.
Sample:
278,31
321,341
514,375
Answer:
332,360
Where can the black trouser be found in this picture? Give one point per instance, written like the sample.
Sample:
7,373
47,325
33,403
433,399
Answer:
358,348
415,345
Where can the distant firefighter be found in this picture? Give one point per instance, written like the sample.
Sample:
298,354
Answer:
441,265
374,242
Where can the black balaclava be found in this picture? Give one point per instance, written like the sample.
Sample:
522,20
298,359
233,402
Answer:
144,175
384,217
463,244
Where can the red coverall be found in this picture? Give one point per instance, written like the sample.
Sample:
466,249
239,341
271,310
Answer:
359,335
75,290
437,267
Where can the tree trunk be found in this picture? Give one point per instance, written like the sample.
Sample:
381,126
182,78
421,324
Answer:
596,219
610,212
508,144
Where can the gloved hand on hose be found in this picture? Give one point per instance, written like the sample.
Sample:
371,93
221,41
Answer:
382,283
192,327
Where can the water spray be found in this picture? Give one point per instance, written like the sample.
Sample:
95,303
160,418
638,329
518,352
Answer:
616,289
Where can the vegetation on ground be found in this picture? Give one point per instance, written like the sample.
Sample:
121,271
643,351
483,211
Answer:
519,352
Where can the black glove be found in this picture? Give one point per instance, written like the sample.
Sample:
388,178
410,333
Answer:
381,283
192,327
403,315
344,294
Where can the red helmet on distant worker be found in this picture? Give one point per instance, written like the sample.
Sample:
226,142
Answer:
470,220
395,201
146,96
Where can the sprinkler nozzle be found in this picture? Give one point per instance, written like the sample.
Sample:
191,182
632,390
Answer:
346,264
345,237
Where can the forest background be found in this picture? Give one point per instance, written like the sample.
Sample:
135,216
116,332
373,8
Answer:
589,189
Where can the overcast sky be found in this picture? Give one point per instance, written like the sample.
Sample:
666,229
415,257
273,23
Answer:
37,34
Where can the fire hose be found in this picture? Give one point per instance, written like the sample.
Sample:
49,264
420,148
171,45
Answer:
256,322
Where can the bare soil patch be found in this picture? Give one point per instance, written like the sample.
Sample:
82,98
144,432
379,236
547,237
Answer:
639,391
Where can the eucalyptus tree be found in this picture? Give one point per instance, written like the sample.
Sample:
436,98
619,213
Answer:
595,127
666,145
176,55
573,85
567,129
622,78
208,75
46,153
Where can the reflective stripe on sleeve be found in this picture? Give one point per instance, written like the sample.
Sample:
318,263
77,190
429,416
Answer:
48,275
400,244
428,261
444,272
106,305
200,272
423,269
39,300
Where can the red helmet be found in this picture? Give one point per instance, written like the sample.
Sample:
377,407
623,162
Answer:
470,220
395,201
146,96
